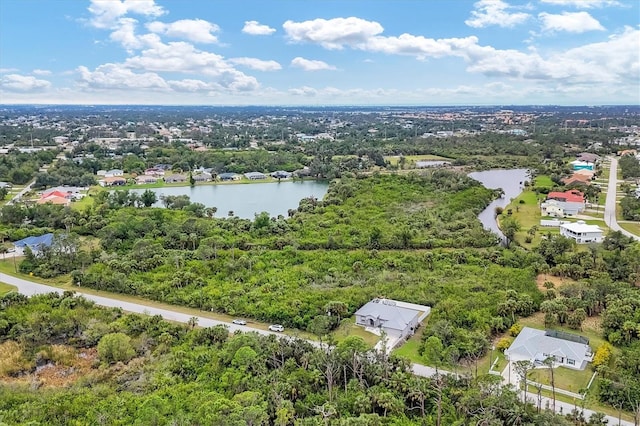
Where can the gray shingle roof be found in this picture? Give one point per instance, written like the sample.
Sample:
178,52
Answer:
392,316
533,344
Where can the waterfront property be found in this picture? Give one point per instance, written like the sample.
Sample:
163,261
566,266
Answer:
582,232
562,204
398,320
255,176
568,350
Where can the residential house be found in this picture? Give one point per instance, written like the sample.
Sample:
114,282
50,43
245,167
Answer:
577,178
54,199
281,174
398,320
588,157
101,173
146,179
202,177
34,243
176,178
114,173
6,185
255,176
154,171
229,177
561,204
582,232
112,181
567,350
589,173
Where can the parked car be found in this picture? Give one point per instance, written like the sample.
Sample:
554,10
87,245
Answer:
239,322
276,327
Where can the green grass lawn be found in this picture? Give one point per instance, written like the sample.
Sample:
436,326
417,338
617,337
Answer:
528,215
349,328
634,228
565,378
410,349
543,181
6,288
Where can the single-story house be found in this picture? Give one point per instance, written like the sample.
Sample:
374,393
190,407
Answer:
112,181
6,185
56,193
229,176
577,178
202,177
69,191
153,171
582,165
567,350
255,176
101,173
34,243
54,199
581,232
588,157
398,320
175,178
281,174
144,179
114,173
585,172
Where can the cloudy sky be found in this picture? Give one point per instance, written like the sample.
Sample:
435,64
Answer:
320,52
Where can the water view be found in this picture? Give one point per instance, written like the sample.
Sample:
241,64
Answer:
247,200
512,183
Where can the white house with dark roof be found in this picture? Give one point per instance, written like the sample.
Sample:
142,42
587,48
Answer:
567,350
398,320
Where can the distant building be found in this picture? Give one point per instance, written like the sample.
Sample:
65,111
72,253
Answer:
582,165
581,232
114,173
177,178
255,176
561,204
229,177
34,243
281,174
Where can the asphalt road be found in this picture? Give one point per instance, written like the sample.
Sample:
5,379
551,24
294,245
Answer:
610,205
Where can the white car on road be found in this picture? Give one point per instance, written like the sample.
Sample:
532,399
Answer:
239,322
276,327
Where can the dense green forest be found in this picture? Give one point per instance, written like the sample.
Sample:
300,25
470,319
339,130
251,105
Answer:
65,361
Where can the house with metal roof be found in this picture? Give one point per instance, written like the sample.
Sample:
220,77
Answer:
567,350
255,176
34,243
398,320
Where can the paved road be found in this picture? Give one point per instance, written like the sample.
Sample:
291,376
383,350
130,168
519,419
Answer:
610,205
19,195
30,288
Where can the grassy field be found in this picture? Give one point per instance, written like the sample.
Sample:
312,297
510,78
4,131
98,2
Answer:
527,214
634,228
410,349
565,378
6,288
543,181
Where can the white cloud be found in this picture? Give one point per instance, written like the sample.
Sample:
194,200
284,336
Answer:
41,72
311,65
190,85
495,12
106,13
125,34
333,33
257,64
7,70
303,91
116,76
255,28
196,30
23,83
578,22
418,46
583,4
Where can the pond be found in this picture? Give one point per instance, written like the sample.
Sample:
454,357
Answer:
245,200
512,183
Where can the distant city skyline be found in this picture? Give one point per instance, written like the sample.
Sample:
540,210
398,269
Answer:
313,52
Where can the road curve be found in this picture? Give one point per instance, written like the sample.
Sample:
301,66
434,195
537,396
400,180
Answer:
610,205
31,288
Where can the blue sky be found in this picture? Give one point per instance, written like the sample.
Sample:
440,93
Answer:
320,52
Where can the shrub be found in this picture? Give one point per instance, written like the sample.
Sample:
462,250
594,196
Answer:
115,347
515,329
504,343
602,355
